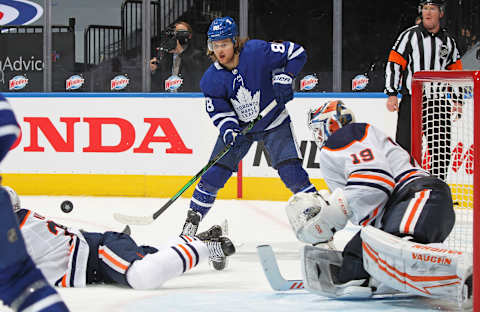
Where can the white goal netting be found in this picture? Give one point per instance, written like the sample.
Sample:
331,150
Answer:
447,149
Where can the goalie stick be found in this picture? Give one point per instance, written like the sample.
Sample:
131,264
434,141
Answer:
279,283
145,220
272,272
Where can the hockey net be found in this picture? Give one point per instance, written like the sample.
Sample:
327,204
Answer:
445,129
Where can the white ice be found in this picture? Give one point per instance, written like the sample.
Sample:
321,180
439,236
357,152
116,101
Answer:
241,287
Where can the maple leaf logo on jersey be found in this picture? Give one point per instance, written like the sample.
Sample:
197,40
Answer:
246,106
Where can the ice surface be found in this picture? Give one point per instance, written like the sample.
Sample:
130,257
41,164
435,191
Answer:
241,287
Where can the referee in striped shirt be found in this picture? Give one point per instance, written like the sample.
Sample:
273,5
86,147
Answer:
425,46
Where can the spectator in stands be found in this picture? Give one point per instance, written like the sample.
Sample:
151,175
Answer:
177,56
426,46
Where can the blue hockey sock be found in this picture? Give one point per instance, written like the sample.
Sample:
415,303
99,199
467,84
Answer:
206,190
295,177
23,286
12,245
203,198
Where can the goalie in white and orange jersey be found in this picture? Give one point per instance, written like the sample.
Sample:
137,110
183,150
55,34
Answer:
402,210
70,257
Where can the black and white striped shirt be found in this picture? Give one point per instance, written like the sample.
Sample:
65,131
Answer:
417,49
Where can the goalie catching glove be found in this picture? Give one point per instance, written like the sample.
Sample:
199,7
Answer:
315,217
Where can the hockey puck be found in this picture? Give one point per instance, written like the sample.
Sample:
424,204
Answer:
66,206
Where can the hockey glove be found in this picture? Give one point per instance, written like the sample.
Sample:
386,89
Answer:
230,135
282,88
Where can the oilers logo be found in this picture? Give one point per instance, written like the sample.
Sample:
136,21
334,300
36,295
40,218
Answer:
19,12
17,83
119,82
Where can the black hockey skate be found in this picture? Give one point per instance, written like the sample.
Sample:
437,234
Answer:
191,223
220,247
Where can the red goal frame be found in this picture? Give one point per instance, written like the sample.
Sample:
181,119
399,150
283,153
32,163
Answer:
416,144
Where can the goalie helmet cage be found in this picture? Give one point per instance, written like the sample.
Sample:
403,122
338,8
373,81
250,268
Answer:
445,129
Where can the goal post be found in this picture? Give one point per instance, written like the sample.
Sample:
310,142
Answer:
445,132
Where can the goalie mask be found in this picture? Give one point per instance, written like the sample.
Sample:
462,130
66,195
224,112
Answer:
327,119
13,198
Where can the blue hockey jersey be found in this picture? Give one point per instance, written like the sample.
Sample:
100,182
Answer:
9,129
235,97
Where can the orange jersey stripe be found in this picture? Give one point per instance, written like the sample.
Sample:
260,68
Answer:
25,219
111,259
414,210
374,214
64,281
188,255
408,176
456,66
372,177
395,57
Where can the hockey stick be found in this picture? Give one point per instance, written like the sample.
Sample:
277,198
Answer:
145,220
272,272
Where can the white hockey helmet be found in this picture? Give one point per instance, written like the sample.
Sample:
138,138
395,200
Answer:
328,118
13,198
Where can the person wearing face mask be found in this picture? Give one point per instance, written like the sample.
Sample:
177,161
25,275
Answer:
178,65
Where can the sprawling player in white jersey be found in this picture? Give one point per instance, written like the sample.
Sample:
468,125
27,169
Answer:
70,257
402,209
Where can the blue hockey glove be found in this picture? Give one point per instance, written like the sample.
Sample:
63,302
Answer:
230,135
282,88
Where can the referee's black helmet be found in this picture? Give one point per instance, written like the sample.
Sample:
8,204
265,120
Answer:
439,3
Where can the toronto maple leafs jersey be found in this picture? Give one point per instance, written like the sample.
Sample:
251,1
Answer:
235,97
9,129
60,253
369,167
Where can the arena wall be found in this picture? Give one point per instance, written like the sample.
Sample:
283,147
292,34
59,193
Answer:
130,144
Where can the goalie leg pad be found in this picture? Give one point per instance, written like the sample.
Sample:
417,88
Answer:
320,268
425,270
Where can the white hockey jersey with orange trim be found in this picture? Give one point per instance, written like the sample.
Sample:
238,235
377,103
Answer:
60,253
369,167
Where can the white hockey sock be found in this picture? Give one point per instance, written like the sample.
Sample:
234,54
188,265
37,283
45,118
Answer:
157,268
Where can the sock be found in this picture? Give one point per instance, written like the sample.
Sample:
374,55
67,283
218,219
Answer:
154,270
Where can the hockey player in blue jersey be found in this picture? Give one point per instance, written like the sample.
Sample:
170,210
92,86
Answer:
22,286
246,76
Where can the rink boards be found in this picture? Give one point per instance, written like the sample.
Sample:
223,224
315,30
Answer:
128,144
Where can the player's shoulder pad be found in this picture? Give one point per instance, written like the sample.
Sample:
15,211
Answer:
347,135
211,82
253,45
